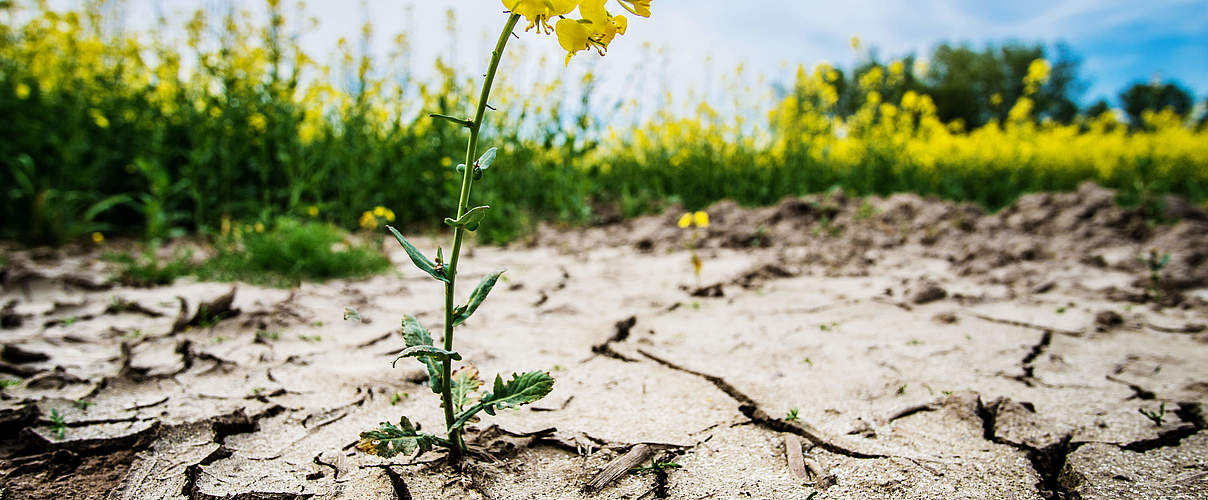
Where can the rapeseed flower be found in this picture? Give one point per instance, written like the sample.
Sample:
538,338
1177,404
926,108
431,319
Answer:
98,238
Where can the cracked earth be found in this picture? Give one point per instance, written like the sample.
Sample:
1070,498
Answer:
929,349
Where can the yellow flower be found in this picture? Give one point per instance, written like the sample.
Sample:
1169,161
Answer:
389,215
596,29
98,118
368,221
685,221
639,7
312,211
538,12
22,90
701,219
98,238
226,225
258,123
259,227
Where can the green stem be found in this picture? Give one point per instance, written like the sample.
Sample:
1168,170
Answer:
459,233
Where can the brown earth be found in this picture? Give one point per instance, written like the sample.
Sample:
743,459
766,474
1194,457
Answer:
931,350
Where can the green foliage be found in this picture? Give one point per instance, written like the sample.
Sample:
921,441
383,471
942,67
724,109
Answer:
465,384
421,261
148,269
289,252
1139,98
57,424
462,313
415,335
9,382
1157,417
656,466
792,415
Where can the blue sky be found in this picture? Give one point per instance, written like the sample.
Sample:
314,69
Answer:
1120,41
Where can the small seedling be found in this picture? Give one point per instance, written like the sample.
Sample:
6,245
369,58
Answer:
792,415
866,211
696,221
914,342
826,327
68,321
902,390
1157,417
57,424
1061,310
808,361
1155,263
82,405
397,397
310,338
219,339
267,335
134,334
655,467
9,382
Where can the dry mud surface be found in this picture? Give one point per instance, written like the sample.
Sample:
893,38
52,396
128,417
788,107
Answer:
932,350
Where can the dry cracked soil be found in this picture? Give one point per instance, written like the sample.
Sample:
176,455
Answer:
833,347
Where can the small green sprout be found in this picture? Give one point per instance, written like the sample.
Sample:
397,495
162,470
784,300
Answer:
792,414
398,397
826,327
68,321
658,466
268,335
1061,310
219,339
914,342
1155,263
808,361
82,405
902,390
9,382
1157,417
310,338
57,424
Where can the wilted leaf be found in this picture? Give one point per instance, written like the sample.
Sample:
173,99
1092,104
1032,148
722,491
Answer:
469,220
484,162
414,334
462,313
419,259
465,383
389,440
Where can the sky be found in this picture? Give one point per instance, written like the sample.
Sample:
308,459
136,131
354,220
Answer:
694,44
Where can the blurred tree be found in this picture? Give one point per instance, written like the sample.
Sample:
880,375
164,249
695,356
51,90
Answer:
1096,109
976,87
1156,96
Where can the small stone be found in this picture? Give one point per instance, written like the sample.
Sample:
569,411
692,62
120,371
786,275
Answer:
928,292
1108,319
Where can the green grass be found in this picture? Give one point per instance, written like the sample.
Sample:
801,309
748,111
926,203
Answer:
290,252
148,269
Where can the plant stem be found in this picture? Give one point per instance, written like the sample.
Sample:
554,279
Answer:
463,202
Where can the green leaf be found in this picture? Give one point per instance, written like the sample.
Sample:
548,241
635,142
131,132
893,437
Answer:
427,351
520,390
414,334
484,162
418,258
465,383
460,121
469,220
461,167
389,440
462,313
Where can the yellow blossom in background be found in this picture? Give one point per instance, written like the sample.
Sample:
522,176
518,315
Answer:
259,227
258,123
22,91
685,221
98,118
701,219
368,221
312,211
98,238
225,225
